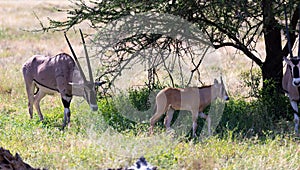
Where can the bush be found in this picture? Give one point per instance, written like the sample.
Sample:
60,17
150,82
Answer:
265,111
139,98
112,117
265,114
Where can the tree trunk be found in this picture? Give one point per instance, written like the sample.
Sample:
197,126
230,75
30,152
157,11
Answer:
272,69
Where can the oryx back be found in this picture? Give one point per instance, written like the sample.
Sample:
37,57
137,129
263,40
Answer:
50,74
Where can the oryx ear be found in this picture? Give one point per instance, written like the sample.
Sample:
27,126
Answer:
216,81
286,60
99,83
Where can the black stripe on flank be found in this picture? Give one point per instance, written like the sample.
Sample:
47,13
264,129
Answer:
45,86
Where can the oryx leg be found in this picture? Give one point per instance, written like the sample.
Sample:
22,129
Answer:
66,100
30,95
195,118
207,118
168,118
37,98
66,95
294,105
160,110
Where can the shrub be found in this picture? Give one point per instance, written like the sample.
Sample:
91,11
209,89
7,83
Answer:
139,98
112,117
266,113
257,116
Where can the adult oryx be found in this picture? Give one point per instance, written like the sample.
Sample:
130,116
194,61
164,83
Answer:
291,77
59,73
194,99
291,85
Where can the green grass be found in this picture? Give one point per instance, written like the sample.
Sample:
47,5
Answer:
91,143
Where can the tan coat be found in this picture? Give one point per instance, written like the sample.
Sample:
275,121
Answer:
193,99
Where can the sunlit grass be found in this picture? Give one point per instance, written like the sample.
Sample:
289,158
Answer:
90,144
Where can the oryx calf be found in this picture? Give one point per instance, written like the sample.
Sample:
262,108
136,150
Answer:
194,99
62,74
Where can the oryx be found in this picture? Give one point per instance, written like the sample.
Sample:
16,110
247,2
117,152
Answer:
291,85
194,99
291,77
59,73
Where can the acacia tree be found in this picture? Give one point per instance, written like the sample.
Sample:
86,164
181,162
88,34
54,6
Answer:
237,23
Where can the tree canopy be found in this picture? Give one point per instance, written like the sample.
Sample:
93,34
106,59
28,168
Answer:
237,23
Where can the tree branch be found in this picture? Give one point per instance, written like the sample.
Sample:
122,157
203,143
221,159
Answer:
244,50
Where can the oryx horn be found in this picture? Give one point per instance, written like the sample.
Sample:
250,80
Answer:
287,32
221,79
75,57
87,57
299,34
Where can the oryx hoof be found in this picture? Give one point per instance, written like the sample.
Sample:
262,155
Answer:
150,133
64,125
170,132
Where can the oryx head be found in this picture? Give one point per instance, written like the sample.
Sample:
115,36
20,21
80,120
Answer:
293,65
219,89
84,87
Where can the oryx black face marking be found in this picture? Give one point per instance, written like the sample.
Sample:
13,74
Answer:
295,61
295,67
295,72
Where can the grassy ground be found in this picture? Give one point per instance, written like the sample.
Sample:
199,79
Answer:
88,147
90,143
